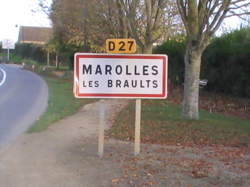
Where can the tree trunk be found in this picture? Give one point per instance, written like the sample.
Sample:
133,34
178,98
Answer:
123,27
48,55
190,108
57,62
147,49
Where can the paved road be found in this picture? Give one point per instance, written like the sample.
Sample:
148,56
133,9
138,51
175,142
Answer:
23,98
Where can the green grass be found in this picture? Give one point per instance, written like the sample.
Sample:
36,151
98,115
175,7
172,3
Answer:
162,124
61,103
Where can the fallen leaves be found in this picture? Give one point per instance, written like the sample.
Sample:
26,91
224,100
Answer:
115,180
196,150
197,168
178,165
234,158
217,103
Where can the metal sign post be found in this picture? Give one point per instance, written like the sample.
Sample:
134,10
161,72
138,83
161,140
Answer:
8,55
120,76
137,126
130,76
101,128
126,46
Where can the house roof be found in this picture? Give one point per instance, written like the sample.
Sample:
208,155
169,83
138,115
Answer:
35,35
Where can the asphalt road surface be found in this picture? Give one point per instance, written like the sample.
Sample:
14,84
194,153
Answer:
23,98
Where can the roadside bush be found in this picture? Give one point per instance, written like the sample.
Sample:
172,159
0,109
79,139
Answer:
226,64
174,48
31,51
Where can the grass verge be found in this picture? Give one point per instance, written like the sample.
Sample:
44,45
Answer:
161,123
61,103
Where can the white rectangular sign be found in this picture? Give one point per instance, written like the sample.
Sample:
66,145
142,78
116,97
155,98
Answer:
8,44
120,76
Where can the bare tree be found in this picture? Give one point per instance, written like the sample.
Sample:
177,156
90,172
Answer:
147,20
44,6
111,13
69,19
201,19
81,22
88,23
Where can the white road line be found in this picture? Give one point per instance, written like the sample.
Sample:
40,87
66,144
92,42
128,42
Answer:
4,77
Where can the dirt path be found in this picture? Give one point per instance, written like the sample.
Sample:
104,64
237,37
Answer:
65,155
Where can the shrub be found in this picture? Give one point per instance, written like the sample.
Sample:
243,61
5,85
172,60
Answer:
226,64
175,50
31,51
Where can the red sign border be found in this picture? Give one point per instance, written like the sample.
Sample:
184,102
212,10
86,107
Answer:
77,93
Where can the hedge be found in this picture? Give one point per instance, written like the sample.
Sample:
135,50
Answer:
31,51
175,49
225,63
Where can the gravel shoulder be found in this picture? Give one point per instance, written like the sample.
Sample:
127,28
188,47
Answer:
65,155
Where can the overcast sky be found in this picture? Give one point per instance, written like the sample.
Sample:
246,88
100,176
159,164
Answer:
16,13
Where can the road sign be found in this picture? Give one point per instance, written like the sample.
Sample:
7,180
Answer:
120,76
8,44
120,46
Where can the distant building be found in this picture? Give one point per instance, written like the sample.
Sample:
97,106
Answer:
34,35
